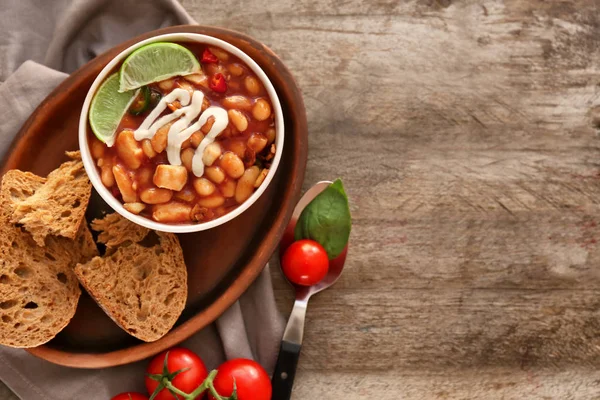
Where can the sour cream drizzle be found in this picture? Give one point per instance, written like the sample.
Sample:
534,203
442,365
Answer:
181,130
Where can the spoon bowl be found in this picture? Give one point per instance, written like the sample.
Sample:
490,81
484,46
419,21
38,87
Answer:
285,369
333,273
335,266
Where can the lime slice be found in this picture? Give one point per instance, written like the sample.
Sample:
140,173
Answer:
156,62
108,107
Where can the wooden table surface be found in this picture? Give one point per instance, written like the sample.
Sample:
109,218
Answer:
467,134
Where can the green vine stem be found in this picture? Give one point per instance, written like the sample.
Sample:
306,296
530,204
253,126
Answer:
206,385
165,383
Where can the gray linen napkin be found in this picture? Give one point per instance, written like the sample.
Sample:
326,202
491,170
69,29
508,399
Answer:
41,42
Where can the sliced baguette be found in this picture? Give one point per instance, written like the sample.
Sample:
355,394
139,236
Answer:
38,289
142,286
116,230
57,207
18,186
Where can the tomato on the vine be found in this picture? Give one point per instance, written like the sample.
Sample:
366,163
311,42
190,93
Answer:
251,380
193,374
130,396
305,262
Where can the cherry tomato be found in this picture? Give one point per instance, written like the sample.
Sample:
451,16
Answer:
208,57
217,83
130,396
251,380
305,262
186,381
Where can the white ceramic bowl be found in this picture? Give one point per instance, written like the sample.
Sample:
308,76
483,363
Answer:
92,170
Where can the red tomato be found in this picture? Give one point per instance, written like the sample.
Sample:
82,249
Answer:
130,396
305,262
251,380
186,381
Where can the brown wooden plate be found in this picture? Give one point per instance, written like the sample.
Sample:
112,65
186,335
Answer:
222,262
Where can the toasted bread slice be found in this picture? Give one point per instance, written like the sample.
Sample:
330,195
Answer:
141,286
58,206
18,186
116,230
38,288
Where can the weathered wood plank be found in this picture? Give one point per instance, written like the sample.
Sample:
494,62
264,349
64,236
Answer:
487,383
438,329
466,133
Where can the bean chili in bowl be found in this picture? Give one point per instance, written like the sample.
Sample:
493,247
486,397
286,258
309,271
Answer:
189,150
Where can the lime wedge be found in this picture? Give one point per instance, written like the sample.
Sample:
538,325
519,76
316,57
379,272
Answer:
108,107
156,62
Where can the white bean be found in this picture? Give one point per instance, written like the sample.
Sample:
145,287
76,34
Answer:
187,156
235,69
204,187
211,201
215,174
261,177
238,147
227,188
97,148
134,208
148,149
232,165
252,85
261,110
107,176
222,55
245,185
257,142
155,195
211,153
186,194
143,176
239,102
271,135
171,212
238,120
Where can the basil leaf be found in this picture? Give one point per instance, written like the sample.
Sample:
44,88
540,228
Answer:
327,220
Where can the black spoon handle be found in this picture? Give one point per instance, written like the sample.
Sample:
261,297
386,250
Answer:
285,370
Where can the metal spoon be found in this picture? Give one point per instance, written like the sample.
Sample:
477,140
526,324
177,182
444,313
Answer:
285,369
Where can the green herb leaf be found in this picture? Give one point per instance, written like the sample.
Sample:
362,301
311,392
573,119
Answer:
327,220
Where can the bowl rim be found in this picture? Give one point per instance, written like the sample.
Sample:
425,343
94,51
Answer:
90,166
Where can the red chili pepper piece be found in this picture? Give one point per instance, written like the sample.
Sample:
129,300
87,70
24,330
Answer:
209,58
217,83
